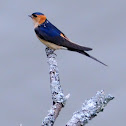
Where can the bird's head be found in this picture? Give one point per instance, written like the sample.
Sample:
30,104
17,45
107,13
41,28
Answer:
38,18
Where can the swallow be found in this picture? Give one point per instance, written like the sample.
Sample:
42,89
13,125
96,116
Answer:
53,38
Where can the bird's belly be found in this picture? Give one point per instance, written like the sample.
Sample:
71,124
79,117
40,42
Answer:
50,45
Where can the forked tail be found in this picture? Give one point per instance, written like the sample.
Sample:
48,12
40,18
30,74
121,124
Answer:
84,53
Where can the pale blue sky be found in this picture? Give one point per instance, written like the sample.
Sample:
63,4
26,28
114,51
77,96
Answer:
24,83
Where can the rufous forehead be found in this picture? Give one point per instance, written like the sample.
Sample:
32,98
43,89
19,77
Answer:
43,17
40,19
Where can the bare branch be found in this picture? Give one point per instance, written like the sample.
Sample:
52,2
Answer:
58,97
89,109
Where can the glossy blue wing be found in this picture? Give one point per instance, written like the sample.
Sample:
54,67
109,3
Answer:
51,34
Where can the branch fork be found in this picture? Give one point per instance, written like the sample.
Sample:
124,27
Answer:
89,109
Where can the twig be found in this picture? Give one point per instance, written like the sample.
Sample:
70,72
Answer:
89,109
58,97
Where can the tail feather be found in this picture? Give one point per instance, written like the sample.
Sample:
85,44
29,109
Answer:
80,49
72,46
84,53
97,60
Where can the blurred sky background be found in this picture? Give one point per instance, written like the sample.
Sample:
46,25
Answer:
24,80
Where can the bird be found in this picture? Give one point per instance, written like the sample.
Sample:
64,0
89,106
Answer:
53,38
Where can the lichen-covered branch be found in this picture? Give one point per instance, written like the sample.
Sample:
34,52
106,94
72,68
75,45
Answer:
58,97
90,109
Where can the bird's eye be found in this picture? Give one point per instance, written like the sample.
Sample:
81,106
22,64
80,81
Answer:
34,15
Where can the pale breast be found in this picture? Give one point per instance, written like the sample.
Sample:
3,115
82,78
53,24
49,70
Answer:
51,45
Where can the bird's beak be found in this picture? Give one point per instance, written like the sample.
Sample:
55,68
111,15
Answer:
30,16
